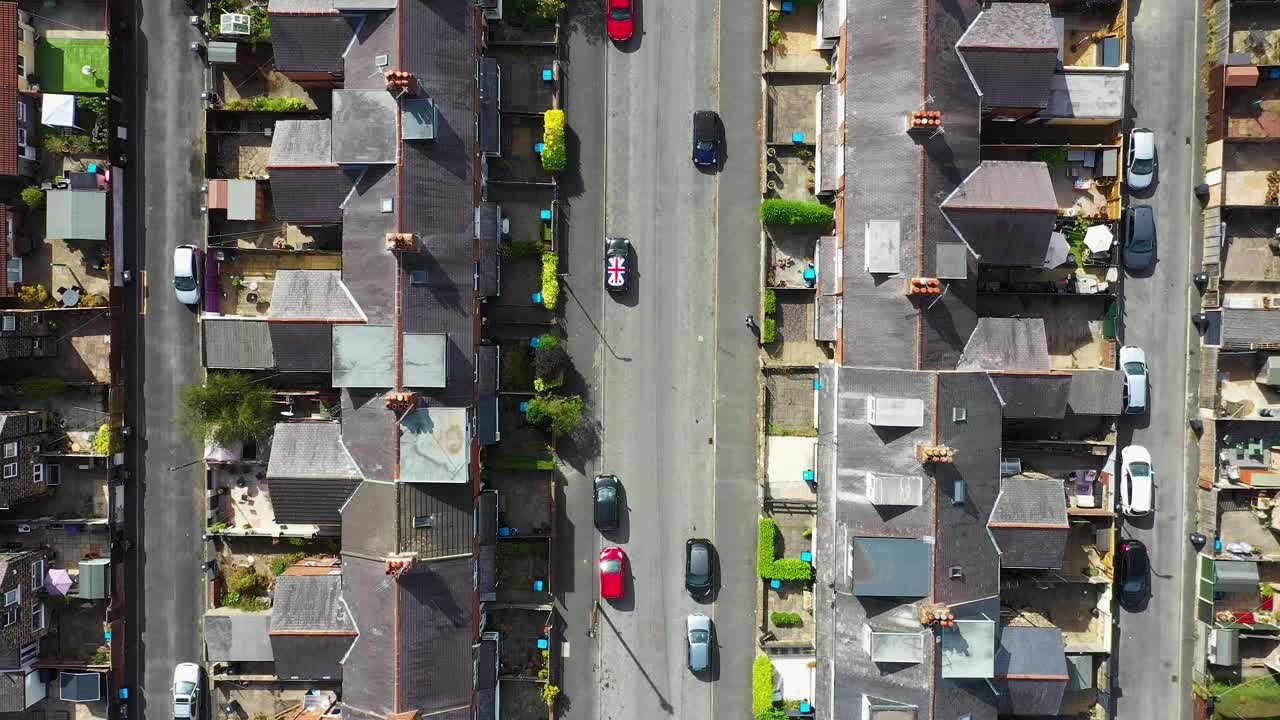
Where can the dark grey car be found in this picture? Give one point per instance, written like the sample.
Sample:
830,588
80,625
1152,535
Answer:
1139,238
699,567
607,502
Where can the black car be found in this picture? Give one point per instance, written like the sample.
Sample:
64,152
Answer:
607,489
699,567
1135,574
617,264
1139,238
706,138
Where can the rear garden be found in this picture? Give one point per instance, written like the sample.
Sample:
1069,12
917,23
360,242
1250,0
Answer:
786,607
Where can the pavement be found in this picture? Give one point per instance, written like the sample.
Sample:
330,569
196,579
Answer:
164,509
1154,650
669,368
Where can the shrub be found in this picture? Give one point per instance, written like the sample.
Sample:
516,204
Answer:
785,619
33,197
39,388
767,547
92,103
1051,156
761,685
808,532
549,693
280,564
102,657
33,293
263,103
243,580
775,37
794,212
92,300
550,280
550,361
218,527
769,331
103,440
548,340
770,302
520,249
557,413
555,156
228,408
543,385
773,713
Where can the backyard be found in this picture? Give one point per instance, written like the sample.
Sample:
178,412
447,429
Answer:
73,64
524,571
1257,697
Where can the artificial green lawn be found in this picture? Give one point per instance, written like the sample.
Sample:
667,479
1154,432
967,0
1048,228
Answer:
59,60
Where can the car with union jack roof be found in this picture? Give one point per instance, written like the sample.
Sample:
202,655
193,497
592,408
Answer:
617,264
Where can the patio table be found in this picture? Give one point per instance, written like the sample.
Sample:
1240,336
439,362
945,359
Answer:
71,298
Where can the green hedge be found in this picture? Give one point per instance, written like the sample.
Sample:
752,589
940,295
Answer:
781,619
266,104
554,155
794,212
767,548
770,302
769,331
761,684
550,280
769,566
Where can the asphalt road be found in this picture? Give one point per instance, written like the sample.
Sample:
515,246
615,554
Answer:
164,117
669,368
1154,651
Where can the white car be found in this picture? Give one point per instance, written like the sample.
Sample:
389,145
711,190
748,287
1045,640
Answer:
1142,159
1133,361
186,690
1137,481
186,274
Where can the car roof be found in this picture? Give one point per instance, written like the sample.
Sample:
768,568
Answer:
699,556
1144,142
1135,555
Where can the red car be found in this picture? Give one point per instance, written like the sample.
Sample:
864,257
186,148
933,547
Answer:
613,572
621,20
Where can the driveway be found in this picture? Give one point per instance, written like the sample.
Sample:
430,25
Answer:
669,369
1154,648
165,123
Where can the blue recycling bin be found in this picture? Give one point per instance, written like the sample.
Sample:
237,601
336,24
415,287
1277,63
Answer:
817,384
537,298
535,342
524,406
775,583
537,587
504,532
797,137
542,642
788,6
545,214
547,75
539,147
806,556
807,475
805,707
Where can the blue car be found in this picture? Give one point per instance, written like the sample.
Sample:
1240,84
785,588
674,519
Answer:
706,138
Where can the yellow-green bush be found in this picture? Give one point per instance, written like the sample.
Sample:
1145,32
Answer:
761,684
554,155
550,280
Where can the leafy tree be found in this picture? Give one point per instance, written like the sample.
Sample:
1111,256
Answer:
550,361
103,440
558,413
33,197
228,408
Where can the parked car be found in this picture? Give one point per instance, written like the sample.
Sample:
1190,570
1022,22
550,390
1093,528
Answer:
1139,238
698,634
1137,482
617,264
699,567
1134,575
1133,361
706,138
1142,158
186,274
186,690
620,22
607,501
613,572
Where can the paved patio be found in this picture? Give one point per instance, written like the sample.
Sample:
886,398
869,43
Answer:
794,318
523,89
1069,607
257,272
524,499
522,209
788,459
789,399
1255,30
520,162
1073,325
796,51
791,250
792,107
239,146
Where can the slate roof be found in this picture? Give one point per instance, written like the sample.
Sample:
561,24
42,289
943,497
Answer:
366,529
1012,50
829,148
1096,392
237,636
1006,344
1032,667
485,655
302,346
450,509
237,344
364,127
313,295
301,142
310,451
313,41
311,630
308,194
489,120
1029,523
1250,329
1033,395
488,266
9,89
1005,211
424,620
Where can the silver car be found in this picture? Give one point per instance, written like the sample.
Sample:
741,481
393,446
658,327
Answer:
186,691
1142,158
698,632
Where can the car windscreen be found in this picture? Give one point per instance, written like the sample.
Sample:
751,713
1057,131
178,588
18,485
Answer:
184,283
1134,368
611,566
699,637
620,13
705,145
1142,167
606,494
183,690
